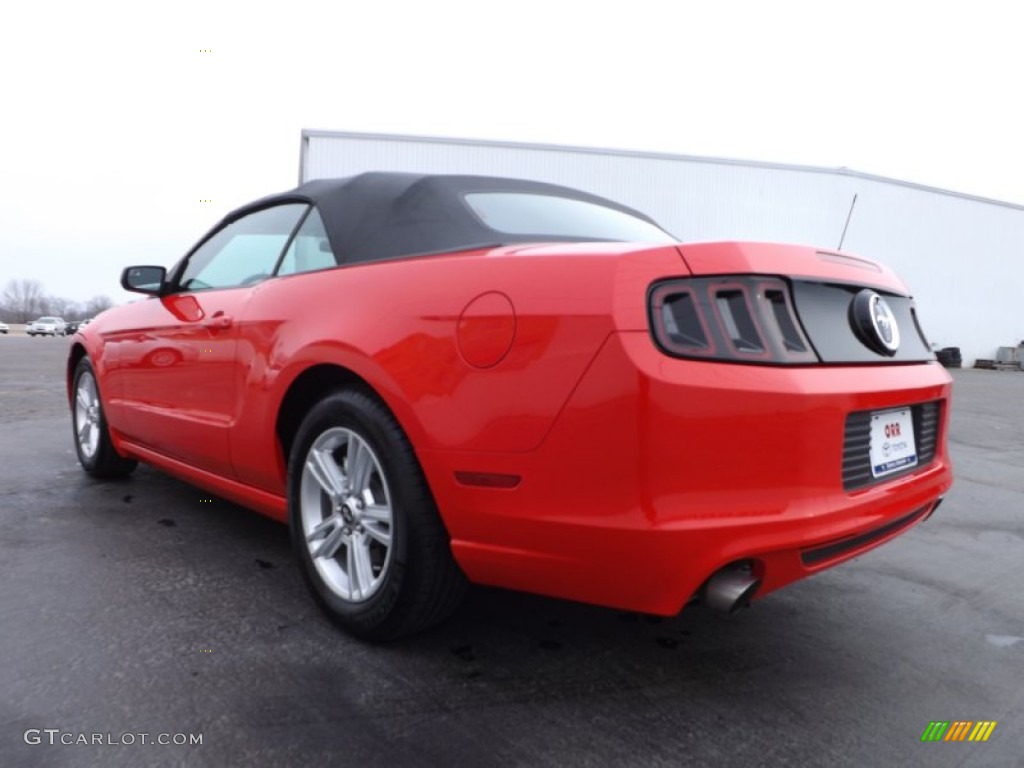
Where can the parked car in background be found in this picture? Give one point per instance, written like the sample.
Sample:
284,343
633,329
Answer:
4,328
70,327
47,326
436,379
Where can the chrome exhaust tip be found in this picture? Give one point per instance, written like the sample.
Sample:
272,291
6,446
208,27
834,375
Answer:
730,588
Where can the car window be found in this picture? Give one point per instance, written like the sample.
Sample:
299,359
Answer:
310,249
528,213
244,252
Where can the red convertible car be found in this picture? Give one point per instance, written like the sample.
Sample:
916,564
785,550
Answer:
437,380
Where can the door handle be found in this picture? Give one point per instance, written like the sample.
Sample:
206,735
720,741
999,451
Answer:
219,322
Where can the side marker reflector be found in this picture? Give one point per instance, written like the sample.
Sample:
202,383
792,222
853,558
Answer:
487,479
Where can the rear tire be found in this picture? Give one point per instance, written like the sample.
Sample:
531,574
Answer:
372,546
95,449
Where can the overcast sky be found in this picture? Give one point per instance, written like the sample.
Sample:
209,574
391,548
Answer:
117,123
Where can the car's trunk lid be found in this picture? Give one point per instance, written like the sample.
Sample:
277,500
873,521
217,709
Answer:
793,261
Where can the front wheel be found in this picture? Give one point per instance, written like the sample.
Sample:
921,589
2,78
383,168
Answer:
372,545
95,450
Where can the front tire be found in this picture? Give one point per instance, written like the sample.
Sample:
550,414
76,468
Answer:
95,449
365,528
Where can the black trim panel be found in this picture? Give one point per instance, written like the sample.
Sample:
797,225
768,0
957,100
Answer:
830,551
824,311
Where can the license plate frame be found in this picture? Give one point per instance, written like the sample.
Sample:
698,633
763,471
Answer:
892,447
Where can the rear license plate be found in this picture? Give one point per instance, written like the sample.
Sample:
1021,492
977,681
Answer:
892,442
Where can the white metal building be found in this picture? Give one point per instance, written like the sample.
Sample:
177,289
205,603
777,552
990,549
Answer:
962,256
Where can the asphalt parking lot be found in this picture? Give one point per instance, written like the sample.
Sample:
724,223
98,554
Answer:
145,606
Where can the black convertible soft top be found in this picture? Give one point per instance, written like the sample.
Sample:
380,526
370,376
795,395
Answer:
379,215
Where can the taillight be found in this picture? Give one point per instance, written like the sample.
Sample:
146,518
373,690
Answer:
741,318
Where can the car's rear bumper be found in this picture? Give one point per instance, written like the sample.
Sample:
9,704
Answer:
659,471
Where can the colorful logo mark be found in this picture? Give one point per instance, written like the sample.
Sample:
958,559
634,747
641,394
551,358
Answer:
958,730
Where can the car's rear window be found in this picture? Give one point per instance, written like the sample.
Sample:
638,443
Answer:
527,213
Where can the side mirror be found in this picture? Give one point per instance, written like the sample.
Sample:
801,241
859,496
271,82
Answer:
143,279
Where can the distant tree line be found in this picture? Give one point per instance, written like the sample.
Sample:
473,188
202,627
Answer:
22,301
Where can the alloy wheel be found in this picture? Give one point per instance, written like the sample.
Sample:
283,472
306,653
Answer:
346,514
87,415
